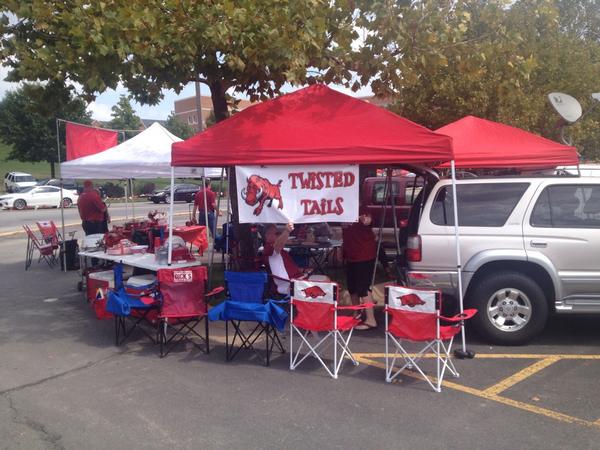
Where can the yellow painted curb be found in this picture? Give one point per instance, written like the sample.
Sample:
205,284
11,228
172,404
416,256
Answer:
74,224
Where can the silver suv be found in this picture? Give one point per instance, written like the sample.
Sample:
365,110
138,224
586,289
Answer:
529,247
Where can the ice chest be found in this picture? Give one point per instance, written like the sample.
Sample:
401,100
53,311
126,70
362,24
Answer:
97,287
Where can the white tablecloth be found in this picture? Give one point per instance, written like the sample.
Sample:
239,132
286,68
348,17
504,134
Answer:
144,261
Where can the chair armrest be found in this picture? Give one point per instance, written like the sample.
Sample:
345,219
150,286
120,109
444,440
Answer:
467,314
215,291
357,307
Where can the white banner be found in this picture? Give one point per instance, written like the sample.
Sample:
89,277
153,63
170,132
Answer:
299,194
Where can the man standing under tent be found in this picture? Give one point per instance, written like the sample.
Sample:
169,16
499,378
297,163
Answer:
200,207
92,210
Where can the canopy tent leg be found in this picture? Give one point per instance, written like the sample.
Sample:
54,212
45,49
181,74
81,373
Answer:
228,220
463,353
62,207
380,239
132,199
212,250
126,200
206,227
170,257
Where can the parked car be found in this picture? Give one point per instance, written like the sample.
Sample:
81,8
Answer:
529,247
403,190
183,192
15,181
38,196
71,185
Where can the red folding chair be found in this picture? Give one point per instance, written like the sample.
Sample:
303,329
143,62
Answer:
183,307
314,310
50,233
414,315
46,251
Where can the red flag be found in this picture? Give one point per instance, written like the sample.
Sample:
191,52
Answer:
83,140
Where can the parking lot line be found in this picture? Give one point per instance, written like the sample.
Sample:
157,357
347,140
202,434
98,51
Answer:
365,358
521,375
499,356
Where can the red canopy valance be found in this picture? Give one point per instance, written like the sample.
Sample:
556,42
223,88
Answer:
314,125
480,143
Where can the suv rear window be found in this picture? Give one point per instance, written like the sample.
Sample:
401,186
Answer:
479,205
567,206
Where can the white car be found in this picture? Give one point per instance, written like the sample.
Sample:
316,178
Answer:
38,196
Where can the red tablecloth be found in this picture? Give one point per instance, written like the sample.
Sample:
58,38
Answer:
195,235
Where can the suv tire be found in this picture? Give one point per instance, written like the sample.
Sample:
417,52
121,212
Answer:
512,308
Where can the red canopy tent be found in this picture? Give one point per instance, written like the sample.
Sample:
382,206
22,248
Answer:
483,143
314,125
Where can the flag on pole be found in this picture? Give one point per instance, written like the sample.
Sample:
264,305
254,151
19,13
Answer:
83,140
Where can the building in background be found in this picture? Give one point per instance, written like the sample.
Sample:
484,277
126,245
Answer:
185,110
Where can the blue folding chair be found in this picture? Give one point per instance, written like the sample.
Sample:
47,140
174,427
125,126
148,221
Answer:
134,306
246,303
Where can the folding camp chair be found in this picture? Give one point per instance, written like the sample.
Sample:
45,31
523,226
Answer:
50,233
246,303
314,309
137,305
46,251
414,315
183,307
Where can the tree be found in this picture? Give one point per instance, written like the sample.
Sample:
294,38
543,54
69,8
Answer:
246,46
28,121
494,59
124,117
178,127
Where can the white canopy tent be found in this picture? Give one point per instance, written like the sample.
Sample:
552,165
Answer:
146,155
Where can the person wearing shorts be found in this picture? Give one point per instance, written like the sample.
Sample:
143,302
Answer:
360,250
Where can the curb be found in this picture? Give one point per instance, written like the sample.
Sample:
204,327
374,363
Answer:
74,224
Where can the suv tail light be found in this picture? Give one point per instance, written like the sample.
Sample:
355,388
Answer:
413,248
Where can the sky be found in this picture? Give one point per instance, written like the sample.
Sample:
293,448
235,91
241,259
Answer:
101,107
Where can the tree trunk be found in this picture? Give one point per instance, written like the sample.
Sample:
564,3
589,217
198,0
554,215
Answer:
241,231
52,170
219,100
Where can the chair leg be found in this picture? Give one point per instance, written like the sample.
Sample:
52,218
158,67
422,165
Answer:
206,337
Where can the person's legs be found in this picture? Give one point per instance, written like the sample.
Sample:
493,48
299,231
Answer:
363,277
212,224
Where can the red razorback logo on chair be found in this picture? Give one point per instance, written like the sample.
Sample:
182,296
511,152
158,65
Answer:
259,190
314,292
411,300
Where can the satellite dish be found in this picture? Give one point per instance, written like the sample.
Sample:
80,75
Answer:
565,105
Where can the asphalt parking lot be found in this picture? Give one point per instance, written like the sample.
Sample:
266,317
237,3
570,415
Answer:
63,384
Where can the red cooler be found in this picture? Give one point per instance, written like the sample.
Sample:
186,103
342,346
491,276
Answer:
97,285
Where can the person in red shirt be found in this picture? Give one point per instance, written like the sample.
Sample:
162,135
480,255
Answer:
92,210
360,251
200,207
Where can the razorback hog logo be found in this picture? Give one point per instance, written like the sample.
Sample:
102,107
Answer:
259,190
411,300
314,292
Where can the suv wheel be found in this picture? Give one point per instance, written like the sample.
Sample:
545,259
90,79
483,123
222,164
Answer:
512,308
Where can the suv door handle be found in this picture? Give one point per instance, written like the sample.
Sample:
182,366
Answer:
539,244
